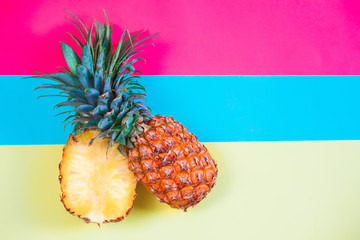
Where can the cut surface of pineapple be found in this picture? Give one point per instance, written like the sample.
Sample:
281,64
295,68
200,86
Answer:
96,182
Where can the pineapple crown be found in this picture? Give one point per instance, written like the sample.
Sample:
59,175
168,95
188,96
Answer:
102,85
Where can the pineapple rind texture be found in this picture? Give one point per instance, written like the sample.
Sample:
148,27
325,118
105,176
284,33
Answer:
96,184
171,163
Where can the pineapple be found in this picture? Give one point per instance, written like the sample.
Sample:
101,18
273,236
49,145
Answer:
171,163
94,187
108,114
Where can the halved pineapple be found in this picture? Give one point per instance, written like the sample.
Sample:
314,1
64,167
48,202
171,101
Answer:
96,185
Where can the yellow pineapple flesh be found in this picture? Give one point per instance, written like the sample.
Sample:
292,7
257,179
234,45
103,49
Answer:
96,183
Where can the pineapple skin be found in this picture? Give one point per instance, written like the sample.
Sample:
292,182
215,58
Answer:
171,163
66,172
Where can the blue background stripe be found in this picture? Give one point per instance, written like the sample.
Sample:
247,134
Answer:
215,108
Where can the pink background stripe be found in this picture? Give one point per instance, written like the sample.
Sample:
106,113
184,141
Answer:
200,37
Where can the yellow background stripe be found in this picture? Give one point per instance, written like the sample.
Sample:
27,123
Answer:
265,190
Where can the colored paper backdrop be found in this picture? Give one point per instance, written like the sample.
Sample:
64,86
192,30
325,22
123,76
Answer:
257,37
287,147
215,108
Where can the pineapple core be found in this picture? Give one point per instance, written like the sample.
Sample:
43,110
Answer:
96,183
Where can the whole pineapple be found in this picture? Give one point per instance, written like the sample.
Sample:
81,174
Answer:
102,87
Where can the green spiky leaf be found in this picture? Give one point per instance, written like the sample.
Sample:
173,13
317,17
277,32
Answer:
87,60
92,95
84,76
76,40
98,79
71,58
